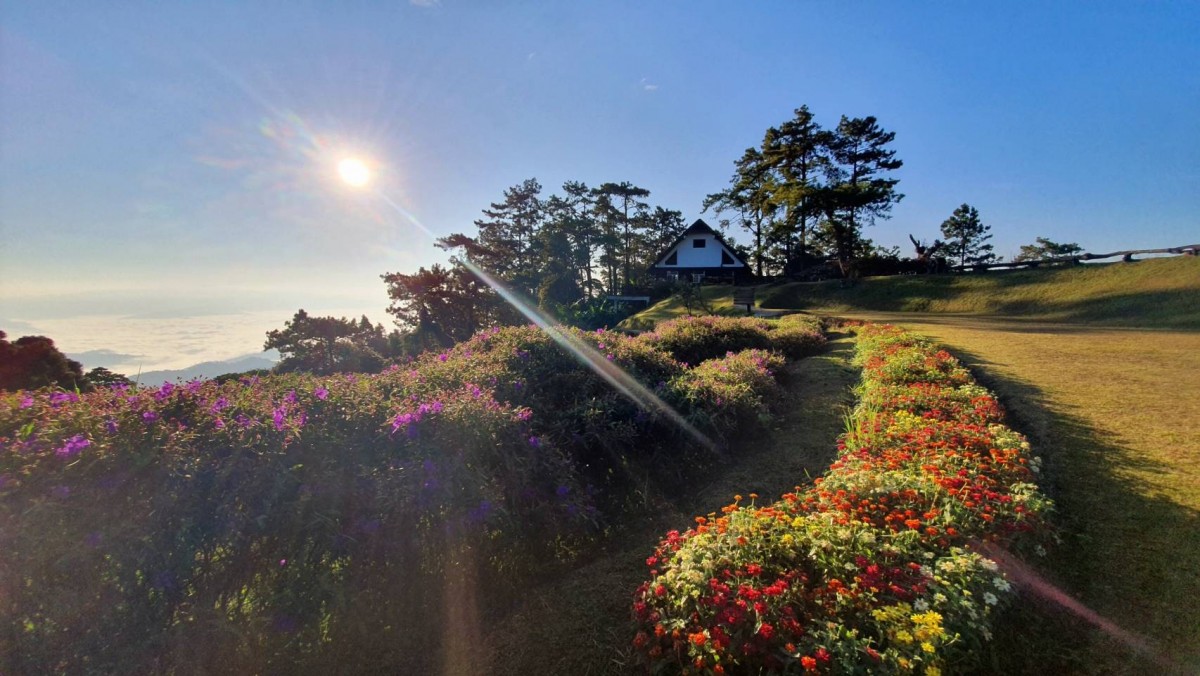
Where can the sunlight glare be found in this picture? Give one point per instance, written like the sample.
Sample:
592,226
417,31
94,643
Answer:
354,172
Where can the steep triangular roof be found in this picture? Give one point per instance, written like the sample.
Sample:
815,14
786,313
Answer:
699,228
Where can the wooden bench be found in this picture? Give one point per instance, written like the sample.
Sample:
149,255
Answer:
744,295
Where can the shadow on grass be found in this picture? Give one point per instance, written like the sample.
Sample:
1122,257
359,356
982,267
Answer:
1132,557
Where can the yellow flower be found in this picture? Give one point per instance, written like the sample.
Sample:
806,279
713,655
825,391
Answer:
927,647
932,671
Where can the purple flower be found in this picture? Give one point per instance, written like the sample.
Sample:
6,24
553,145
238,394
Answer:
73,446
404,420
219,405
321,393
443,356
219,424
291,397
164,392
27,401
562,491
63,398
149,417
279,413
535,442
524,414
110,426
243,421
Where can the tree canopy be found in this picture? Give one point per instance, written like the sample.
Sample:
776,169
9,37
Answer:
329,345
809,191
1043,248
967,236
31,362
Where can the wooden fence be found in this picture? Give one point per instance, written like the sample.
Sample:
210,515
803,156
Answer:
1127,256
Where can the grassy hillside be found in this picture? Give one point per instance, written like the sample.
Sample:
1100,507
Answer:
1158,293
1111,413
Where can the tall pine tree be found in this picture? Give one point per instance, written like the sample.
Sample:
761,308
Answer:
967,236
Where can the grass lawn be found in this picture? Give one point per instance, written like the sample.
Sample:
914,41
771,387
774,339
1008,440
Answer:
1156,293
1114,413
581,622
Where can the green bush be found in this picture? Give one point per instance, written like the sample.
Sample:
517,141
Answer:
300,523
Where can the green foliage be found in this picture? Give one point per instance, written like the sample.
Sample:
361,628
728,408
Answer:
325,345
1044,248
967,236
300,523
440,306
31,362
102,377
808,190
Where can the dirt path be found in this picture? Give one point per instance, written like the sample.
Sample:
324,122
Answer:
1113,412
580,624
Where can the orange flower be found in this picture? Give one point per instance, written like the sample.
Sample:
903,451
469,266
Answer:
699,638
809,663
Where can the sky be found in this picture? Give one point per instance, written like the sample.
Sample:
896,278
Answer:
168,184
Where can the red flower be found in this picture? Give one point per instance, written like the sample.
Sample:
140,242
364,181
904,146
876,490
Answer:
808,663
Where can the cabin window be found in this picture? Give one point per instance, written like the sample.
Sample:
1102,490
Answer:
697,277
673,259
699,243
726,259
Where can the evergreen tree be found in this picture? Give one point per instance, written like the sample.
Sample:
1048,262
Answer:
505,244
444,305
1044,248
328,345
798,153
623,196
858,190
749,197
967,236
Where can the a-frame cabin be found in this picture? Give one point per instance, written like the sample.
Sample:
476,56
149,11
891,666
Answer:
700,254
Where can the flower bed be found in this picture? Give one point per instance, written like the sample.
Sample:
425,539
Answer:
293,522
871,568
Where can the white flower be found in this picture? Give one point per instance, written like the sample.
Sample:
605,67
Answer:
989,598
1001,584
1039,550
921,605
988,564
939,598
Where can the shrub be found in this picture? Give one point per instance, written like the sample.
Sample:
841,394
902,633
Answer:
798,335
695,339
869,569
729,394
301,523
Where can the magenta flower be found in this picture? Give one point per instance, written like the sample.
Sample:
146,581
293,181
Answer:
279,413
321,393
27,401
73,447
149,417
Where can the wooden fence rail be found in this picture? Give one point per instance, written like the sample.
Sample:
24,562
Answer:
1189,250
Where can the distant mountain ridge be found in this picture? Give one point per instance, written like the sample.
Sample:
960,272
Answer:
209,369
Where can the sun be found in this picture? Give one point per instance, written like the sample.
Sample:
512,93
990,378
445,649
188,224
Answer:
354,172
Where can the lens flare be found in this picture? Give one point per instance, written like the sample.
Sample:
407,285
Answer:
354,172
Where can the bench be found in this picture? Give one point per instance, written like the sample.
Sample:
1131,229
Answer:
744,296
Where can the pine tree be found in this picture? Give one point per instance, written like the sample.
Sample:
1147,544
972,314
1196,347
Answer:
967,236
798,153
858,190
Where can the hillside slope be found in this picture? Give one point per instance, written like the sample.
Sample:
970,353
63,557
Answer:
1155,293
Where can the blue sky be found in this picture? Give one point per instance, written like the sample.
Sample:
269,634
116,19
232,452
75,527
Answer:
159,160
